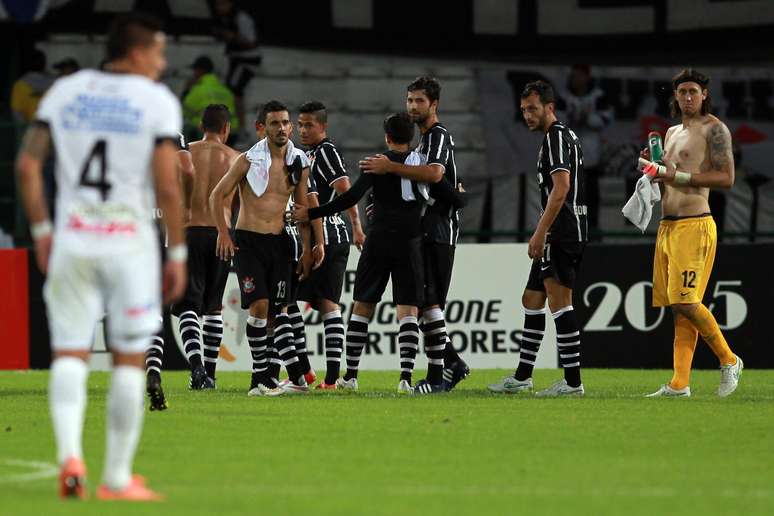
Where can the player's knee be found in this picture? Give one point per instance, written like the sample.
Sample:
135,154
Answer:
533,299
260,308
404,310
363,309
686,310
328,306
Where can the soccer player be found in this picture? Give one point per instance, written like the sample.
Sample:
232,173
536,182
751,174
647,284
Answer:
199,312
440,226
154,355
697,157
393,248
266,176
323,287
556,247
114,133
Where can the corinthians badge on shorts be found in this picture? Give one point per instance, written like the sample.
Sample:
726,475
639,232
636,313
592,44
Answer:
248,285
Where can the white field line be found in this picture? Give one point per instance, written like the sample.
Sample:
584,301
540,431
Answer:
40,470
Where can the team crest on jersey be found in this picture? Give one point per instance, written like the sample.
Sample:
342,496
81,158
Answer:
248,284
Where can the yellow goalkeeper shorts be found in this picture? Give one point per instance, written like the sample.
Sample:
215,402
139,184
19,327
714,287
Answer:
685,254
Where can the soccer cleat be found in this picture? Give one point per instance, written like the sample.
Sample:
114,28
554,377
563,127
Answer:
259,390
404,387
72,479
156,393
290,388
322,386
310,377
454,374
347,385
136,491
425,387
199,380
729,377
665,391
510,385
561,388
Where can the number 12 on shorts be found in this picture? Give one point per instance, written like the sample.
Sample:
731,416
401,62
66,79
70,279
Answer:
689,279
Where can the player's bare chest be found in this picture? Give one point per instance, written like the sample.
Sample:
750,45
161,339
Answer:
687,146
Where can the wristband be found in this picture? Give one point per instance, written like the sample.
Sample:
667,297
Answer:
41,229
649,168
682,178
177,253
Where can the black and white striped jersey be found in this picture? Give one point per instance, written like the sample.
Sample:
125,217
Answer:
327,168
441,223
561,151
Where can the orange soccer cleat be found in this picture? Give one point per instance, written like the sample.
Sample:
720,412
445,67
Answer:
136,491
72,479
310,377
322,386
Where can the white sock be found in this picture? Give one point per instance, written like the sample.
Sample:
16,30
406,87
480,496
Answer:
125,414
67,402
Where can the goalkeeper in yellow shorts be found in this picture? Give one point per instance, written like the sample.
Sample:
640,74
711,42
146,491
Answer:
697,157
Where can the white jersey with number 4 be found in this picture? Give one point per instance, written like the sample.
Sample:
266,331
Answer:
105,127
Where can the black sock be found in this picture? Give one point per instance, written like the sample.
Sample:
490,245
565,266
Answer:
191,335
154,355
283,343
299,336
434,329
274,363
357,336
212,334
568,343
450,354
408,343
256,339
334,341
531,337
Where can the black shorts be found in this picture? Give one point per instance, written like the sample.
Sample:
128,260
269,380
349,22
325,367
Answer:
561,261
263,268
327,281
207,274
385,255
439,262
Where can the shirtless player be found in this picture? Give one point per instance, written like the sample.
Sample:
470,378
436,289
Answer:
697,157
199,311
266,176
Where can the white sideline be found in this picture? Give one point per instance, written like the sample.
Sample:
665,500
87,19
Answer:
41,470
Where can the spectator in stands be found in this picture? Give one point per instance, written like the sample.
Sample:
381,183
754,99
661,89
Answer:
586,109
236,28
66,67
30,87
203,89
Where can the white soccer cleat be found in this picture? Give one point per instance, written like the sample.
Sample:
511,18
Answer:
289,388
404,387
510,385
347,385
665,391
729,377
259,390
560,388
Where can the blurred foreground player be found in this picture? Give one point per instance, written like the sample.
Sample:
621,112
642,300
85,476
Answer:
114,134
199,312
697,157
556,247
266,176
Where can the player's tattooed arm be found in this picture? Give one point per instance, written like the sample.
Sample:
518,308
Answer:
718,170
37,142
29,171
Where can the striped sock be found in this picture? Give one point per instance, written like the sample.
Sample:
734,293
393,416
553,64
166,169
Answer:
531,337
283,343
299,336
568,342
357,336
154,355
256,339
191,335
334,341
212,333
408,343
273,358
434,330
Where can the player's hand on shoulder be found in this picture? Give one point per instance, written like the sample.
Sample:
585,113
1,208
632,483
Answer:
225,248
378,164
174,280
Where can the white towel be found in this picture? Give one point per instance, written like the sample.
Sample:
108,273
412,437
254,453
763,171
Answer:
259,157
639,208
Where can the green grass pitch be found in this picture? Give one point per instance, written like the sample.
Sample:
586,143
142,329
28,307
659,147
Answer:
377,453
